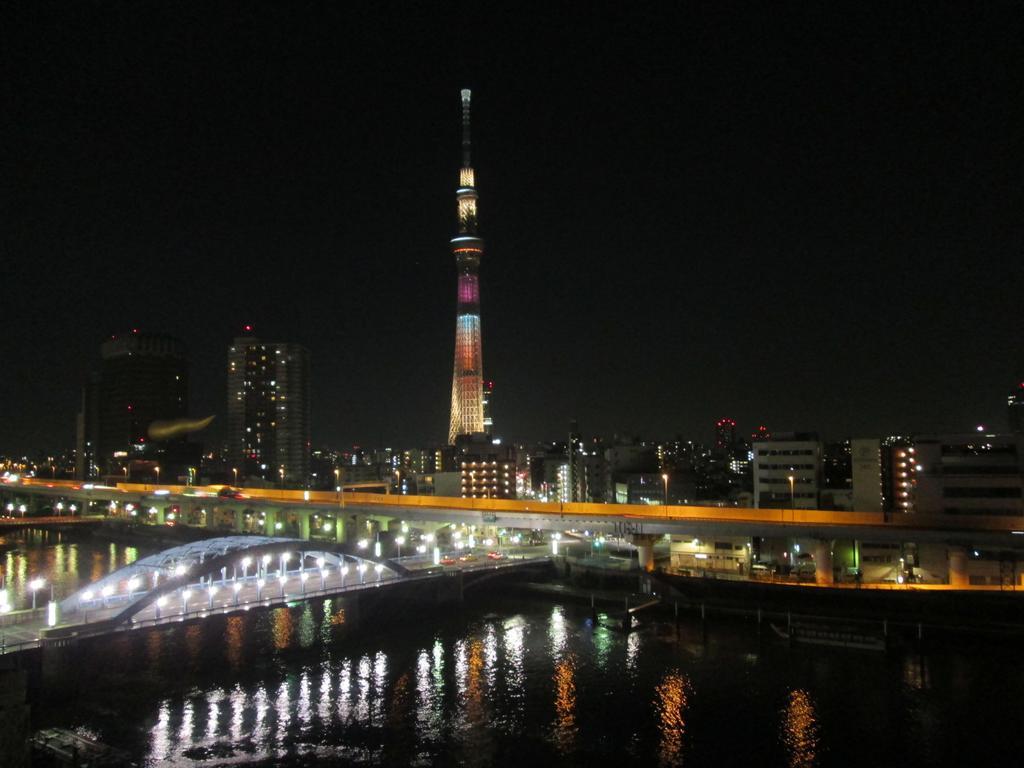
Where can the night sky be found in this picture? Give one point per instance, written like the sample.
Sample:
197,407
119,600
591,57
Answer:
806,218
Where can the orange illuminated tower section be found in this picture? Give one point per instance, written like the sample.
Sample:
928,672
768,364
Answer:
467,378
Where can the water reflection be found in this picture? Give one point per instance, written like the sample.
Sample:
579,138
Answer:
283,627
800,730
233,641
531,688
670,701
565,704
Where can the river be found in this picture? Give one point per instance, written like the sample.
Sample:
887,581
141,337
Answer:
507,679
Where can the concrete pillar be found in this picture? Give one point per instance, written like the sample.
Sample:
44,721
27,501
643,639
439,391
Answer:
644,544
304,516
271,522
239,520
161,515
339,529
823,574
958,567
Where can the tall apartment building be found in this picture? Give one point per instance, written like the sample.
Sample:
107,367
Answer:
485,470
788,471
269,410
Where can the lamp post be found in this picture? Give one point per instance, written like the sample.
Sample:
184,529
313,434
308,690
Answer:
320,563
259,589
160,603
792,495
281,473
158,474
399,540
185,595
246,562
35,585
234,471
379,568
361,569
664,479
344,572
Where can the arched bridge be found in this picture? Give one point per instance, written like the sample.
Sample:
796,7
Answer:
224,573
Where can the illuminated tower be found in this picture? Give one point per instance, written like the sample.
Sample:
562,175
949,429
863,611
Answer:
467,378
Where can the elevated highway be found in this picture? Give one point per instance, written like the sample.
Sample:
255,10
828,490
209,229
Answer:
326,514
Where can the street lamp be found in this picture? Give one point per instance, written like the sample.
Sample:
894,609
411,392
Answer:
399,540
160,603
35,585
379,568
664,478
281,473
792,495
158,474
260,583
320,563
246,562
238,588
361,569
234,471
303,577
344,572
185,595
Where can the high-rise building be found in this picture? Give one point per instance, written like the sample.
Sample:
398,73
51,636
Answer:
488,406
142,378
1015,409
467,410
725,435
268,410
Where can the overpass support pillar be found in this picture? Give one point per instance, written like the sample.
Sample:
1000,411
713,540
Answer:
239,520
644,543
304,516
823,574
270,518
339,529
161,515
958,567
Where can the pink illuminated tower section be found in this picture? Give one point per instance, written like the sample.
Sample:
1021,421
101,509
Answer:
467,377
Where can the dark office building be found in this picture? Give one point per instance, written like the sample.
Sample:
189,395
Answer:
142,378
1015,409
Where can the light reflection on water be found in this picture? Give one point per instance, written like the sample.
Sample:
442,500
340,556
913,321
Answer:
670,701
295,686
800,730
66,562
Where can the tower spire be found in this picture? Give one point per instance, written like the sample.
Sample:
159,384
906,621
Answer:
466,162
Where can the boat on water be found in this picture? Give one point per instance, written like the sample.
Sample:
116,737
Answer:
839,636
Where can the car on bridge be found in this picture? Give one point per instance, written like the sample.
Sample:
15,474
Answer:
227,492
447,560
469,557
495,556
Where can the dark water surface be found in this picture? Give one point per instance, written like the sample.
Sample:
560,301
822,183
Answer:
504,680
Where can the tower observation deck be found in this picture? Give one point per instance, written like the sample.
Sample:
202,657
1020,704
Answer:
467,414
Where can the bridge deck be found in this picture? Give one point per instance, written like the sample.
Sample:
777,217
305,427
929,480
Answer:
225,599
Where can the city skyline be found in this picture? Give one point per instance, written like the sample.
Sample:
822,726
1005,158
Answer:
815,234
